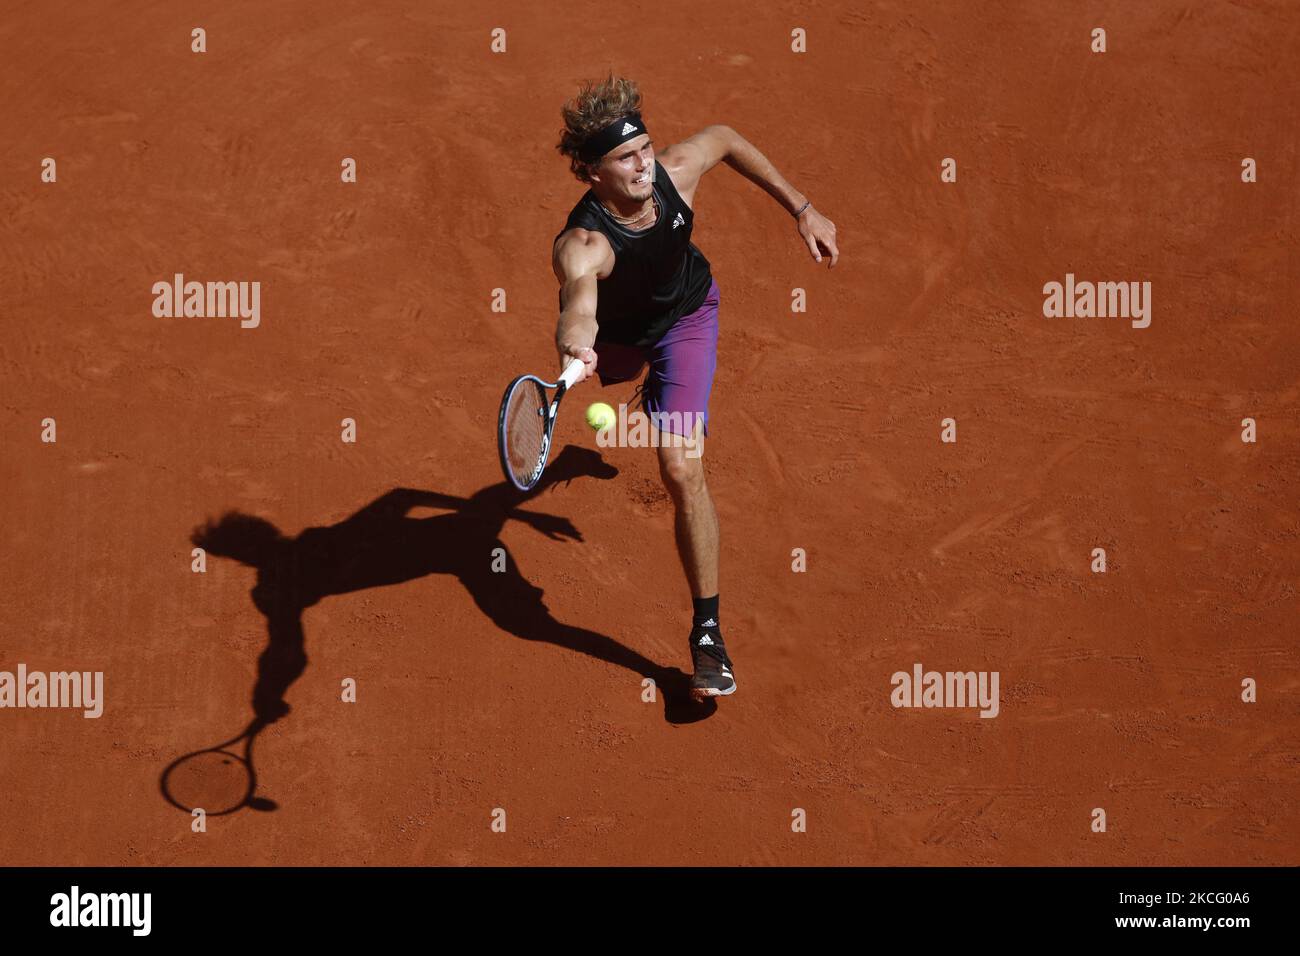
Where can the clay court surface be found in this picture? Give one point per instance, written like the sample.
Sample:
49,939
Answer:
1118,690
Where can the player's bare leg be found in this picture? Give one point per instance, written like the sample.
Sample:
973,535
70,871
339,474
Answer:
695,524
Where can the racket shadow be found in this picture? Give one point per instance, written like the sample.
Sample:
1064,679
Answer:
235,788
381,545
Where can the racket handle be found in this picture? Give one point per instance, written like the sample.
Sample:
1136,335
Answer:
571,373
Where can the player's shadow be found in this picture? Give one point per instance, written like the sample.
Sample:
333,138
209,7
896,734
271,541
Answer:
382,544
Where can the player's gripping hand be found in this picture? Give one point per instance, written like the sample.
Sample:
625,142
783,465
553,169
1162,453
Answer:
588,356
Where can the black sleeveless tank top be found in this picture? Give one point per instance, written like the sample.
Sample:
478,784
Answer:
658,274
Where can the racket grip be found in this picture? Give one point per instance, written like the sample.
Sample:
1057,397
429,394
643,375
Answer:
571,373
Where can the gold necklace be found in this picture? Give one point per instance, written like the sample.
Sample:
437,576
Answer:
654,206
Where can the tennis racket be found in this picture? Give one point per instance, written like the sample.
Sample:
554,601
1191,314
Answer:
526,422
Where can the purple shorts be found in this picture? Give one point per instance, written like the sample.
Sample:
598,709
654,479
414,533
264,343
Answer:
676,390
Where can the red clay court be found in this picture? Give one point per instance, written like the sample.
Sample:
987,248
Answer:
523,691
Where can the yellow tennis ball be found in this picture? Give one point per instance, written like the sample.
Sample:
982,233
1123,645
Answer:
600,415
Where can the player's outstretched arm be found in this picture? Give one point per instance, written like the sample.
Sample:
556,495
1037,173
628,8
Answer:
690,159
581,257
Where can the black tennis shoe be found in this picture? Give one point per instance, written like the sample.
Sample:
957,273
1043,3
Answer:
713,671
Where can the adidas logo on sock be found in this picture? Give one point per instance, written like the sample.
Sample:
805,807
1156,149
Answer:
709,623
706,640
628,128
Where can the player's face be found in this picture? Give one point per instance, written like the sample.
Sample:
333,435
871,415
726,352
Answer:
630,168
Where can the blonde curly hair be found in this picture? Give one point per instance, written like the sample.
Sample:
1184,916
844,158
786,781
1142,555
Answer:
596,106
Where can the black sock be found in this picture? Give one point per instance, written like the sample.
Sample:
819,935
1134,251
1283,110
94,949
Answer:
706,609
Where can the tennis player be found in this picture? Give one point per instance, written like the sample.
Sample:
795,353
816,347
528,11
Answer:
634,291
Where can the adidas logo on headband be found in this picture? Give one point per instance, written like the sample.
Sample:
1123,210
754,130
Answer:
628,128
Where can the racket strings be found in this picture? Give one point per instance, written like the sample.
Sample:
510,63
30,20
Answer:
525,425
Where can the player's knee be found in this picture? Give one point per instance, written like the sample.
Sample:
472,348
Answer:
681,474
